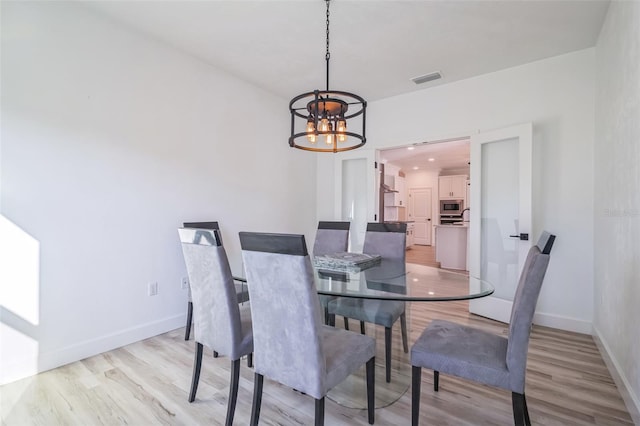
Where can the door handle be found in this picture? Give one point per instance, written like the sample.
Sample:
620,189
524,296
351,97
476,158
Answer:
522,237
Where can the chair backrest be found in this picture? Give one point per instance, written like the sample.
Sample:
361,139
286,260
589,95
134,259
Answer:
216,314
386,239
200,225
331,237
523,309
285,311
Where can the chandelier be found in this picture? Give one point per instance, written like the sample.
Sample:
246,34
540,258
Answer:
319,118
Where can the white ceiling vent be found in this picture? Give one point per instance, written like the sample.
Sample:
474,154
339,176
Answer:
427,77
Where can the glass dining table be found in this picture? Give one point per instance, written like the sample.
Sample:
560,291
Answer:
392,281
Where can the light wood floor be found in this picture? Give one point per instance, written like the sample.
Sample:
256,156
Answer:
422,255
147,383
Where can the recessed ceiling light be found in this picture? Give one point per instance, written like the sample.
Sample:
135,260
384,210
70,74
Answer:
415,167
432,159
410,148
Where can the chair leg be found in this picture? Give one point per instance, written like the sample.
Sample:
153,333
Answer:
517,401
436,379
197,363
416,381
257,399
250,360
346,323
319,412
387,353
527,420
403,328
371,389
233,391
332,320
362,327
187,328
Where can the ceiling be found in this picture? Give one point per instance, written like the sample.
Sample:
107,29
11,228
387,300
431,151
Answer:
452,155
376,46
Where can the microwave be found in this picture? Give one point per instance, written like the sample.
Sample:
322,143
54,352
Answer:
451,207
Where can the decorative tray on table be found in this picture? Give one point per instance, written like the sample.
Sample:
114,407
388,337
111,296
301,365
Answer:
345,261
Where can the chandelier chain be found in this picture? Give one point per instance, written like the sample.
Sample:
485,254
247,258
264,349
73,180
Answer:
327,56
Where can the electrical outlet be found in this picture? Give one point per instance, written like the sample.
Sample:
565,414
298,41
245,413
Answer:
153,289
184,283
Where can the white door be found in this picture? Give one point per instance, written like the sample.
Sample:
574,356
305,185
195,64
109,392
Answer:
356,197
501,214
420,213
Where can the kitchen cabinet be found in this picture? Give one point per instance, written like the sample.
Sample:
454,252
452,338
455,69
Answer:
452,187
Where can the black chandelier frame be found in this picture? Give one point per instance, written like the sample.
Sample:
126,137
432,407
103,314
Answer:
333,105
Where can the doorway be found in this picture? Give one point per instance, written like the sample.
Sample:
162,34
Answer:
422,164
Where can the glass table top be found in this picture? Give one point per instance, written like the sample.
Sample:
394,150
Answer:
392,280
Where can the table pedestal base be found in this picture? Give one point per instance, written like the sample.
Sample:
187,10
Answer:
352,392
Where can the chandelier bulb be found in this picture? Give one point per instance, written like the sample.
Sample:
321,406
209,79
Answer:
324,124
342,129
342,125
311,126
330,136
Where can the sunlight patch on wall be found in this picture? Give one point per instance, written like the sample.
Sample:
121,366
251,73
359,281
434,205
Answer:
18,356
19,302
19,272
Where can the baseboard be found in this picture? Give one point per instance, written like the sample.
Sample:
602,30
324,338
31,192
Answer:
631,400
562,323
491,307
29,366
500,310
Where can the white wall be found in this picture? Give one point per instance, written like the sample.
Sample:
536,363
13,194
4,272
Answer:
557,95
617,198
109,141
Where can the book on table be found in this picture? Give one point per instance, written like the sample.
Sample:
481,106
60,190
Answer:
346,261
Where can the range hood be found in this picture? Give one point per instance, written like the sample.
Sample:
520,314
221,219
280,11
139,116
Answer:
386,188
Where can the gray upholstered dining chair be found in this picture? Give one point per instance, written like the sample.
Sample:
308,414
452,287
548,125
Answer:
389,241
220,323
241,290
483,357
331,237
292,346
